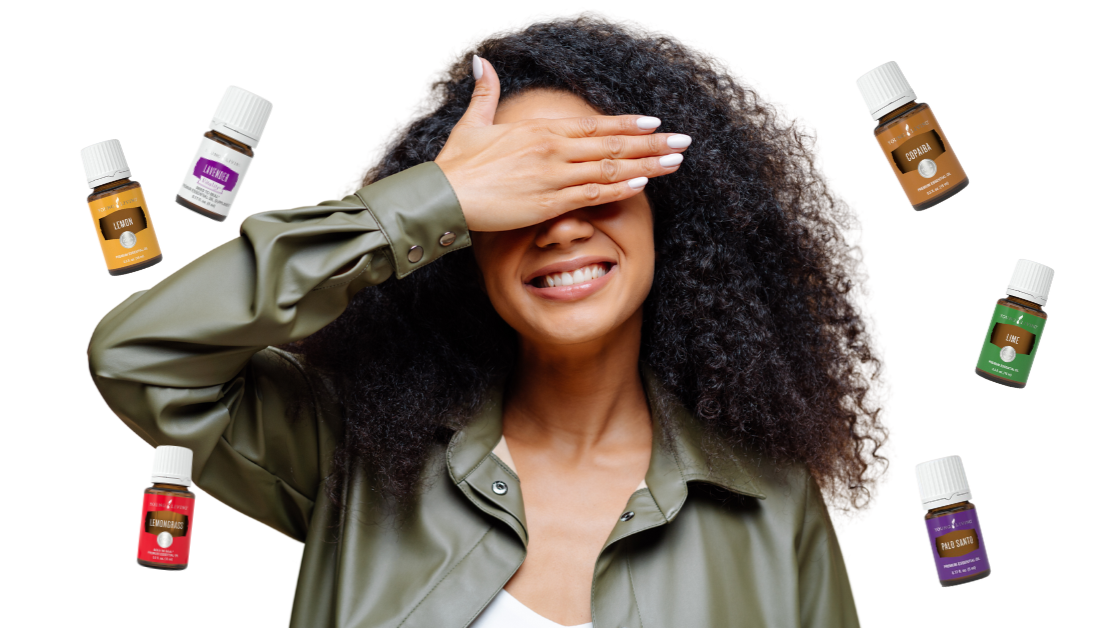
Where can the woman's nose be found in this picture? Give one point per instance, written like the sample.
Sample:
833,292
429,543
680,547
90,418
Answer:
564,230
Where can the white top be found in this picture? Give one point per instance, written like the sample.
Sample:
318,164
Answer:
507,612
172,465
942,482
884,88
242,115
1031,281
104,163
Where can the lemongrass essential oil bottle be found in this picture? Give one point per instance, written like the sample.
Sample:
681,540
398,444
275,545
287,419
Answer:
167,511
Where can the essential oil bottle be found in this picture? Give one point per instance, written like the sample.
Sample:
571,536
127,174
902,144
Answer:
952,524
914,143
166,530
119,210
1015,330
215,175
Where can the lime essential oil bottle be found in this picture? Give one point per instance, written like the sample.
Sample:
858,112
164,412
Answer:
1015,331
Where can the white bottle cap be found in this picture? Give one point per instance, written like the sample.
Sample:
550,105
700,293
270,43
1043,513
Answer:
885,89
242,115
1031,281
172,465
104,163
942,482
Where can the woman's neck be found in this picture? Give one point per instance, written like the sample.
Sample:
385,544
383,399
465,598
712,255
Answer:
580,395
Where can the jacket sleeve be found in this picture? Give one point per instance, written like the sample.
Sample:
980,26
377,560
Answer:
189,361
825,597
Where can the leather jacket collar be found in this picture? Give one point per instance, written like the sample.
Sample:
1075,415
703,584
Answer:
676,459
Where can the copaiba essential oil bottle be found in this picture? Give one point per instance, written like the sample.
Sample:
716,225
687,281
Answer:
1016,328
215,175
952,524
914,143
166,530
119,210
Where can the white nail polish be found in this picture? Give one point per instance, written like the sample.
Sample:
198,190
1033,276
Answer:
678,141
648,122
668,161
637,183
478,68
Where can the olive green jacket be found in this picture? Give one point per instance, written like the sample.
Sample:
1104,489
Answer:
190,362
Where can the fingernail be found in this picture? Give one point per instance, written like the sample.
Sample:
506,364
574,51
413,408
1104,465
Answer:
637,183
678,141
669,161
648,122
479,69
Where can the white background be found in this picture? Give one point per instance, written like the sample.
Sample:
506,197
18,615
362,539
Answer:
1019,92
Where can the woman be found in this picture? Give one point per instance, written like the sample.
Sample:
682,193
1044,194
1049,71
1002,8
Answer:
622,404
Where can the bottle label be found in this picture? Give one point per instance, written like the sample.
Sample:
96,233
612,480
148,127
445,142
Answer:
1010,344
921,157
164,534
215,177
957,546
124,228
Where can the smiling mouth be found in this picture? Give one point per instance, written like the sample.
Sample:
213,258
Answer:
570,278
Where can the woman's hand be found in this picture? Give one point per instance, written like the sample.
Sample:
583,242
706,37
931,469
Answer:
508,176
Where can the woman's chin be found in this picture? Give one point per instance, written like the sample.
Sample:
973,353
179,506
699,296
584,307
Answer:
570,330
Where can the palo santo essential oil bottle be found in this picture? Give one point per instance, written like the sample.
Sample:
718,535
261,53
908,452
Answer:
952,523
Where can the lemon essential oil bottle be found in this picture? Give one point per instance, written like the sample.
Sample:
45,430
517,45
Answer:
1016,328
166,530
911,138
215,175
952,523
119,211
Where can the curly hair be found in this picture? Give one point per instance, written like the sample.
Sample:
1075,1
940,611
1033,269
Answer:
750,323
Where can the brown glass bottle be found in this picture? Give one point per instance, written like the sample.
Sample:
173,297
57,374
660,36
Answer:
165,534
234,145
895,131
1027,307
215,174
171,491
1016,328
119,212
954,509
113,189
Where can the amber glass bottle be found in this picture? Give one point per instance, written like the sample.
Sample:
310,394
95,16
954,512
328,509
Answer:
952,524
119,210
911,138
1015,330
167,511
216,172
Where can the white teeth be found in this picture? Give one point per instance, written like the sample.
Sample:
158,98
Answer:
581,275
